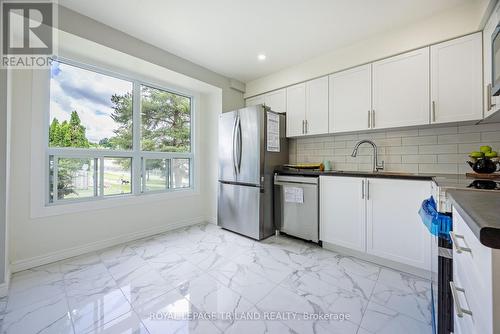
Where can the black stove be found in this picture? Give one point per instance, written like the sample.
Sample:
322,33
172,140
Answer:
484,185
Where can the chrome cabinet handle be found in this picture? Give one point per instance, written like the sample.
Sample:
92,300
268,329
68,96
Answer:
307,125
362,189
454,238
369,121
303,126
433,111
458,308
367,190
373,118
490,105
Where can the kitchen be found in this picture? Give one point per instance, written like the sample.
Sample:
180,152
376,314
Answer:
440,90
333,169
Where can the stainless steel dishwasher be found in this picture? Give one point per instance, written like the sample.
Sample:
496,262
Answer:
296,206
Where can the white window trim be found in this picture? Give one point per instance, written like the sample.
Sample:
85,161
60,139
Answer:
40,109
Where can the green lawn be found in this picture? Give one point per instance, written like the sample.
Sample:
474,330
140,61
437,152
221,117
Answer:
112,186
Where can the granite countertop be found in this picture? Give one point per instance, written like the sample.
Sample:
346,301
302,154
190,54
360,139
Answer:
381,174
481,212
445,181
448,181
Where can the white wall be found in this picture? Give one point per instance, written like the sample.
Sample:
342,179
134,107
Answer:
83,26
453,23
37,239
3,172
417,150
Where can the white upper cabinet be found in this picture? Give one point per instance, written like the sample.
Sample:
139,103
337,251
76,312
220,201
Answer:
350,99
276,100
296,110
307,108
442,83
253,101
456,80
317,106
401,90
342,224
491,103
394,229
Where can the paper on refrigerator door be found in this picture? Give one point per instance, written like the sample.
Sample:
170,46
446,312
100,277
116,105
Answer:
273,132
294,195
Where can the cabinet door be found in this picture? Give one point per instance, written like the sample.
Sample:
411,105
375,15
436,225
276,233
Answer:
276,100
491,103
317,106
342,211
253,101
296,110
350,99
456,80
393,227
401,90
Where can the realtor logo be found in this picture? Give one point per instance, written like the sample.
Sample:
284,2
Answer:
27,33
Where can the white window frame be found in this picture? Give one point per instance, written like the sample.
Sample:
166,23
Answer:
138,156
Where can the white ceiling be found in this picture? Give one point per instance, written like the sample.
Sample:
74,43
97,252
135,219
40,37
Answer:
227,35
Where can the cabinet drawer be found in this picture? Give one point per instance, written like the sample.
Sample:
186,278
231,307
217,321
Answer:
472,272
465,324
472,298
471,255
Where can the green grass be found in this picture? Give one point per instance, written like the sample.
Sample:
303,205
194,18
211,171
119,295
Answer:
112,186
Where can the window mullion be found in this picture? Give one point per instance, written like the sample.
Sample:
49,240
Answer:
101,177
143,174
55,181
96,177
136,137
169,171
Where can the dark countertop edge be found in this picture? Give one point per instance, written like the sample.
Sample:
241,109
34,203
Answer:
306,172
489,236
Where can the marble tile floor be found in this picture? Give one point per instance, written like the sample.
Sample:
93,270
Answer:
202,279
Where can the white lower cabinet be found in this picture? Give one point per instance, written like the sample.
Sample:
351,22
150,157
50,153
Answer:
342,224
476,282
376,216
394,229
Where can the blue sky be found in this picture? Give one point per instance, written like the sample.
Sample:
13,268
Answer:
87,92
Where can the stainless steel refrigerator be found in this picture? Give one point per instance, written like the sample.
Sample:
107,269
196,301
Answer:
252,142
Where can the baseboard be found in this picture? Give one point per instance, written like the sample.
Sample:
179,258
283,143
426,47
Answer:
98,245
4,287
379,261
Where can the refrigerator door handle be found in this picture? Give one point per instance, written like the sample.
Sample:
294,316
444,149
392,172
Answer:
234,143
238,145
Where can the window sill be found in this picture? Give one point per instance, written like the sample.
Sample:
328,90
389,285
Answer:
106,203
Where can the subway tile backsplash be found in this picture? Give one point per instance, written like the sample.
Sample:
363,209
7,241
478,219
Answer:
426,150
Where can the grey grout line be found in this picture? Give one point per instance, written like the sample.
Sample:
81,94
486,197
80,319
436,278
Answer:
370,298
306,250
66,297
132,309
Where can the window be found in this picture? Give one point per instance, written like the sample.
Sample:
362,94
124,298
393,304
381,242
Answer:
114,136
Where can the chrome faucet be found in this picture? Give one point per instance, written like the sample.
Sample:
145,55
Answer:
376,165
